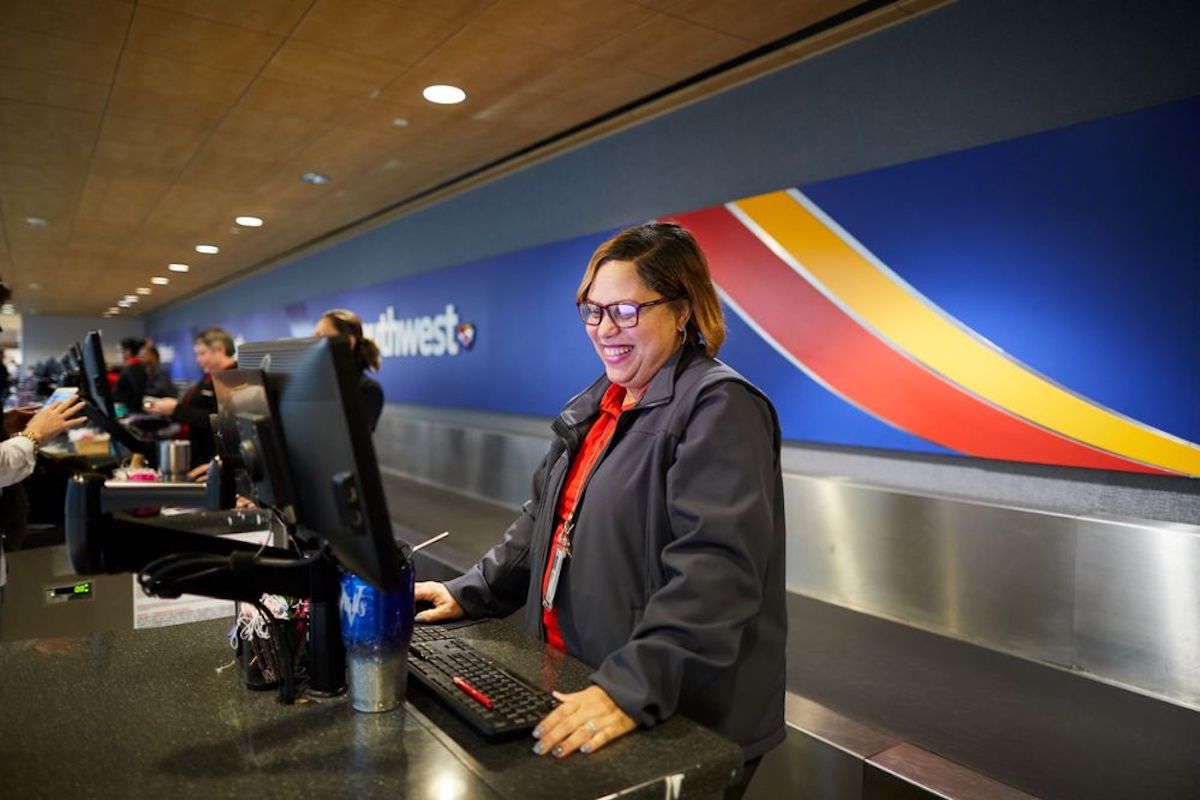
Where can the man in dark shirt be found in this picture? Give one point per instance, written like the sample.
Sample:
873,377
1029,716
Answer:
158,382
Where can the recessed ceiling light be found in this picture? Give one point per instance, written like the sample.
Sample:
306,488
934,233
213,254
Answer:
113,310
35,286
36,222
249,222
124,303
316,178
158,280
400,122
178,267
143,290
444,94
208,249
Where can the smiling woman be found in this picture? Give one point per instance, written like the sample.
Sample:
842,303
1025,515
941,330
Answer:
653,546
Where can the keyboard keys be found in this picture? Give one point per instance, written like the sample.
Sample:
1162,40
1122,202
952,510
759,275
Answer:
436,660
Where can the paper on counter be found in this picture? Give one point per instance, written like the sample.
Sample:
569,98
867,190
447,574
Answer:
155,612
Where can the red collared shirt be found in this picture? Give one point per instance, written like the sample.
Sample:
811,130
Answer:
598,437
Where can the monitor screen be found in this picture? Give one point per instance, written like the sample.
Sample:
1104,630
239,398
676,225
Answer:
72,366
316,417
95,375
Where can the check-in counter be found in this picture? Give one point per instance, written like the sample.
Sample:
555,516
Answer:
163,712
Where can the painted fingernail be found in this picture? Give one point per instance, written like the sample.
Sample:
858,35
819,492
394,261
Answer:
537,732
557,751
586,747
539,748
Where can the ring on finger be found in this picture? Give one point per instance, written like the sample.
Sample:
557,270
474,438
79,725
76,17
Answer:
591,726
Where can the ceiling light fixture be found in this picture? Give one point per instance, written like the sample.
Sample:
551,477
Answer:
35,286
400,122
158,280
36,222
178,267
124,303
208,249
143,290
444,94
316,178
249,222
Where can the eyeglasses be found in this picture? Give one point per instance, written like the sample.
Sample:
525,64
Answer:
623,315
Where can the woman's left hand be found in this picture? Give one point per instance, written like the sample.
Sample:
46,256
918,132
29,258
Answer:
585,721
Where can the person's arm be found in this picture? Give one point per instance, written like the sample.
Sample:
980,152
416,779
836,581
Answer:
721,494
499,583
372,396
17,460
18,455
194,413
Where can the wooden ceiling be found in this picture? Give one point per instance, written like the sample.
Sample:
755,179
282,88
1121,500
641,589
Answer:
137,130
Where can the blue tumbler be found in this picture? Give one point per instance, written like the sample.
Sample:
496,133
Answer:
376,628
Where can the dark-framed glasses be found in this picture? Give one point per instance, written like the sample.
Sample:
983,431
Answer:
623,314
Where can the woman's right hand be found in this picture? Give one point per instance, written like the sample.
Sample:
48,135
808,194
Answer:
54,419
445,607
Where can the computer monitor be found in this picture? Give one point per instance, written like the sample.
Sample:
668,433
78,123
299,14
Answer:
102,411
95,372
72,366
315,416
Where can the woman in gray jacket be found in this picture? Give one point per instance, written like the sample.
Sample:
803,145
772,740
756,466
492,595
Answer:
653,546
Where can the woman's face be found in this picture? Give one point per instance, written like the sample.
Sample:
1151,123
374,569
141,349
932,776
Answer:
324,327
632,356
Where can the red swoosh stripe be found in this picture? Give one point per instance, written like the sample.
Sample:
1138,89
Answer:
854,363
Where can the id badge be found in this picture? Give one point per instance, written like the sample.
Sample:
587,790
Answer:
556,567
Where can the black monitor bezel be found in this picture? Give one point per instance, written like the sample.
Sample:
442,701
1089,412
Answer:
95,375
314,387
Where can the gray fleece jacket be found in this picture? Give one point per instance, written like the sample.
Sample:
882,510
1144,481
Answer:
675,590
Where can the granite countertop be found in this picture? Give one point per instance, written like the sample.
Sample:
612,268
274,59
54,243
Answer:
130,713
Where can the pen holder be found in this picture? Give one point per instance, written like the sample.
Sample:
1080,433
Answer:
260,644
174,459
376,628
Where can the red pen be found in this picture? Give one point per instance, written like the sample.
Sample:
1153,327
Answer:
466,686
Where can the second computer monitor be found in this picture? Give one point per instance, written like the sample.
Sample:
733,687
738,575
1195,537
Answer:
95,375
316,414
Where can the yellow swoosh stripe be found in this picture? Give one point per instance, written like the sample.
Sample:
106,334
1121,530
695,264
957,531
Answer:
879,298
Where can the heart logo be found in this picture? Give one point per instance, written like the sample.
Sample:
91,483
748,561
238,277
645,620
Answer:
465,333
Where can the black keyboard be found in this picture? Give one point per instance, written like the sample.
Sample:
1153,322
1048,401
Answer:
468,682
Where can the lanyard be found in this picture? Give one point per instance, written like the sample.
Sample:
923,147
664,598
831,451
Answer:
562,541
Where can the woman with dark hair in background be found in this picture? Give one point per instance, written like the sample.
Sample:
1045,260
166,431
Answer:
340,322
653,546
131,383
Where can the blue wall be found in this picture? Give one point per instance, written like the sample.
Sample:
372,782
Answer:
970,73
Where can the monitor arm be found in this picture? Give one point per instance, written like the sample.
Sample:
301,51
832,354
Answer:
99,543
119,433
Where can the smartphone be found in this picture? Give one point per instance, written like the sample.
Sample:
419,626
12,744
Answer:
62,393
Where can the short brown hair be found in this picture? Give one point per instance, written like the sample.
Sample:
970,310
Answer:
669,261
218,337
